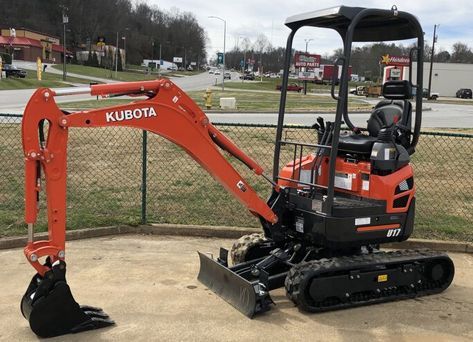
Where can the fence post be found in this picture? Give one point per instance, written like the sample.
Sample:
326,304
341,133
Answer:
143,176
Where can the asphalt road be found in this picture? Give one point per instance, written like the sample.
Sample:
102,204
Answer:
440,116
14,101
148,285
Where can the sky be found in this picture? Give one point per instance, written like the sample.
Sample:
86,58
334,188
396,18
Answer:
247,18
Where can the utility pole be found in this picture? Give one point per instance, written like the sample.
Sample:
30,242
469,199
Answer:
65,20
434,40
224,40
305,69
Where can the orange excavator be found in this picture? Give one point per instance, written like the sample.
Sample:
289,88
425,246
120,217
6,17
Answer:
331,206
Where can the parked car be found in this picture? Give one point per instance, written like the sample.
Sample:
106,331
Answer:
249,77
291,87
13,71
217,72
211,71
227,76
464,93
433,95
425,94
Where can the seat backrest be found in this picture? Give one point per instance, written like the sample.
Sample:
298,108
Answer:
395,110
385,114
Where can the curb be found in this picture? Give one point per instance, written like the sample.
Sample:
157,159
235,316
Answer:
221,232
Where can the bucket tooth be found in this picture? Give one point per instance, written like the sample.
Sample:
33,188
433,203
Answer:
51,310
250,298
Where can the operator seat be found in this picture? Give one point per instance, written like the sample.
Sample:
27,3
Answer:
385,114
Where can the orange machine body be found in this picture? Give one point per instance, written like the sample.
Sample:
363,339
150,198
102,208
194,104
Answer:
353,177
169,112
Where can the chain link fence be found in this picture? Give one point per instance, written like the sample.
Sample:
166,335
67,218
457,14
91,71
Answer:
125,176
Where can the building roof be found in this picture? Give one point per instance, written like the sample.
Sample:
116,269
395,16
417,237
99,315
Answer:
33,31
20,41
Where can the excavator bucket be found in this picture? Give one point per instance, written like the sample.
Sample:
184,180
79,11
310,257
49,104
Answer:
51,310
246,296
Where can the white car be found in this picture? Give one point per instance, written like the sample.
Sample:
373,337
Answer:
217,72
211,71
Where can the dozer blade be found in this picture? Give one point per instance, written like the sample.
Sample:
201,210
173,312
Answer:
51,310
247,297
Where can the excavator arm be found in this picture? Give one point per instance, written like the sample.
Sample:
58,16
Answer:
167,111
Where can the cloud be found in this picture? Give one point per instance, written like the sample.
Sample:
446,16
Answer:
249,18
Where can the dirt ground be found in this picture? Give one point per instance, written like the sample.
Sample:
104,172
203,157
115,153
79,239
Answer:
148,285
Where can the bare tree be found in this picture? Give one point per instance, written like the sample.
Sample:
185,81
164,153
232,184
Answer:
461,53
261,43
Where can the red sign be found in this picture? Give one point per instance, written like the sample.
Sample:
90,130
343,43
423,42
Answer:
395,60
306,60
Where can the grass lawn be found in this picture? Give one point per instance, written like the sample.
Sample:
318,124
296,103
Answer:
107,74
48,80
104,181
246,101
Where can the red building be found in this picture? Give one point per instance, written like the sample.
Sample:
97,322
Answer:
28,45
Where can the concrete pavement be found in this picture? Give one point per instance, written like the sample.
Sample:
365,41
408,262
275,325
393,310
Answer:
148,286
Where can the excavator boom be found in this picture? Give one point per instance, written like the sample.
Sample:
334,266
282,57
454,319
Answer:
167,111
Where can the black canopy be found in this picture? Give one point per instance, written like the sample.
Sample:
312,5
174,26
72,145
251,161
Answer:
383,25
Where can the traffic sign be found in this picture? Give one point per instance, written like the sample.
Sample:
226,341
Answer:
220,57
242,63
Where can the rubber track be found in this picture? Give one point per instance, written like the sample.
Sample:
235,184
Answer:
299,277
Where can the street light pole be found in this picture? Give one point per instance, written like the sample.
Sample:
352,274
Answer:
65,20
159,69
224,41
152,52
124,48
124,45
116,59
244,60
305,69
